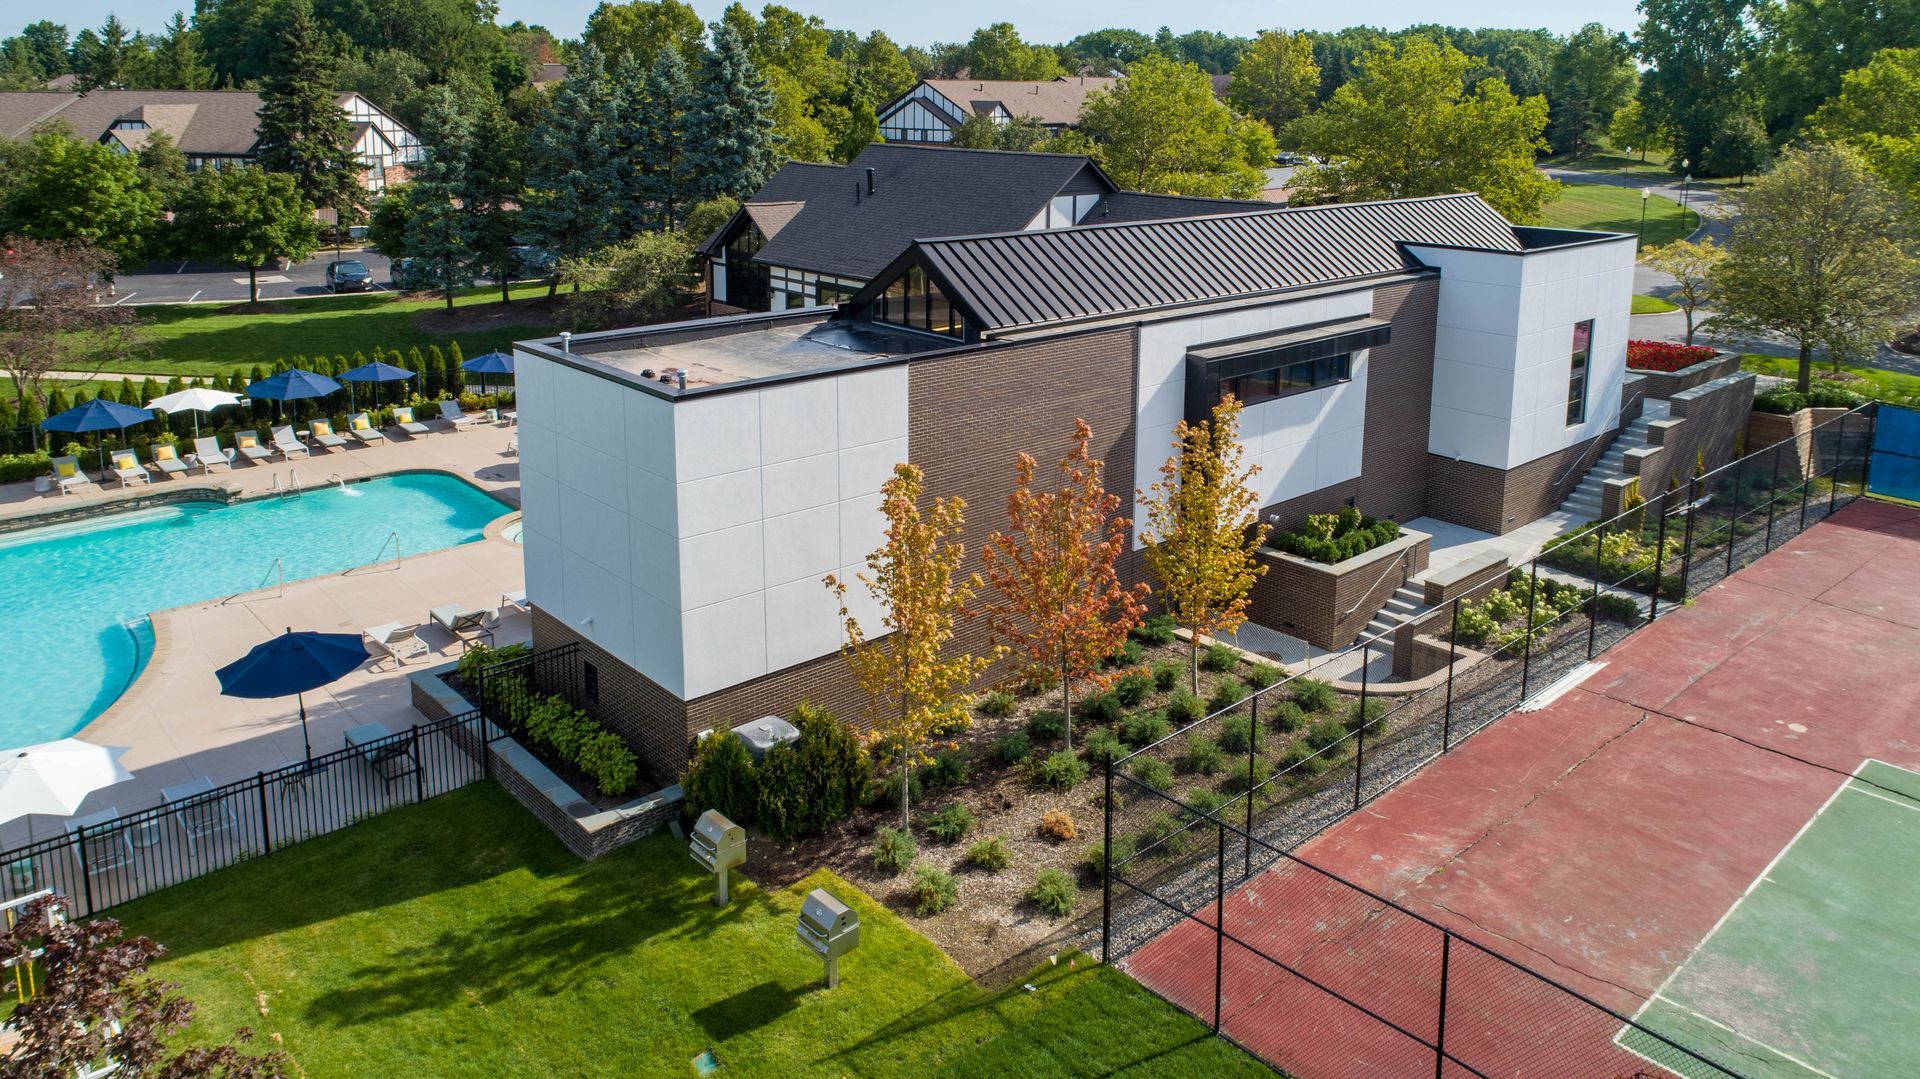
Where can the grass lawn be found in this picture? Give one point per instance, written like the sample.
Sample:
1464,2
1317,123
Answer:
201,339
1617,209
459,938
1653,305
1873,382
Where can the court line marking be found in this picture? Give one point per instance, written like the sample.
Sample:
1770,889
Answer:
1661,992
1884,798
196,295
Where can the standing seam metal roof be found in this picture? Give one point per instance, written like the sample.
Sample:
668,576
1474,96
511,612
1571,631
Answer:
1029,278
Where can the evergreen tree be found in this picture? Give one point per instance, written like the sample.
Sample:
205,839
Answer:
731,149
666,182
177,61
100,59
303,131
456,378
491,189
439,230
570,186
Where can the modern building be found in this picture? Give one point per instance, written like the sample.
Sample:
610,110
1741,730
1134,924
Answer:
687,486
816,233
214,128
935,108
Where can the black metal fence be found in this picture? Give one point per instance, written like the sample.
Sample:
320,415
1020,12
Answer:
1306,754
104,864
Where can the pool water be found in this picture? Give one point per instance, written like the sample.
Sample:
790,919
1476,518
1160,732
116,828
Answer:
76,634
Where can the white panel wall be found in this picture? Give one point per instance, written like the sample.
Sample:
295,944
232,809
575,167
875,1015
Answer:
1301,443
690,539
1504,342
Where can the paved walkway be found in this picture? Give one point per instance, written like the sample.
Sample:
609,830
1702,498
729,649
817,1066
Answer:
174,721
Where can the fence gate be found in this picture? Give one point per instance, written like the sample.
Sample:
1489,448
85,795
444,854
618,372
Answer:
1895,471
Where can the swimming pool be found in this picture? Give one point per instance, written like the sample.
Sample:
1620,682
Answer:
76,634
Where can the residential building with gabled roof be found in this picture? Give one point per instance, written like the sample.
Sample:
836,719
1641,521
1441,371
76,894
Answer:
935,108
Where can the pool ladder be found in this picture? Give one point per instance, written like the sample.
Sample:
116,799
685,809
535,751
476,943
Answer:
289,490
392,540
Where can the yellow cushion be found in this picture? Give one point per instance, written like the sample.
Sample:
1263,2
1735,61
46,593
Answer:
247,442
124,460
360,423
403,415
321,427
67,469
163,452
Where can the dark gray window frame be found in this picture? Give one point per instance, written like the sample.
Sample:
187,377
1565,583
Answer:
1208,366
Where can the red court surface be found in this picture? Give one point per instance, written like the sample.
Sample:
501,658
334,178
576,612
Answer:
1596,841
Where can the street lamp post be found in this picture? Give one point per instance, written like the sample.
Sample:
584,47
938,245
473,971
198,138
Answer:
1685,184
1645,194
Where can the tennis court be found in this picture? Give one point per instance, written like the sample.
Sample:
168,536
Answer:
1811,972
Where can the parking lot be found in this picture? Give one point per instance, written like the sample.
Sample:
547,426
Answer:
189,282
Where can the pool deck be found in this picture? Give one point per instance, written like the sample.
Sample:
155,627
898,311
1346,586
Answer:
174,721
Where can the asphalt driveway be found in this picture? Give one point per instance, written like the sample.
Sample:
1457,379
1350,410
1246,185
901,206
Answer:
191,282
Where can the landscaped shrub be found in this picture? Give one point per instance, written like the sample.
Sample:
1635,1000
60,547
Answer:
1155,773
949,768
1822,395
1218,657
1165,673
1303,760
1785,399
886,791
806,786
1619,609
1162,835
1014,748
603,757
1335,537
1287,716
1143,729
893,849
1101,708
997,703
1128,654
1325,732
933,890
480,656
720,776
1203,801
1371,715
15,467
1666,355
990,854
1047,725
1473,625
1313,695
1054,892
1228,693
1184,708
951,824
1157,630
1133,688
1247,774
1101,746
1060,771
1262,675
1203,755
1095,862
1236,733
1057,825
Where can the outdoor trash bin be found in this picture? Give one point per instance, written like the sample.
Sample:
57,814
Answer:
830,928
766,732
719,845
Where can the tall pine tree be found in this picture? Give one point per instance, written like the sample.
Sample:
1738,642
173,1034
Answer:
178,63
666,179
490,193
303,130
730,145
571,185
439,231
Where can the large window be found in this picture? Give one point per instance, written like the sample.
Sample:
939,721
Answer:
1258,386
914,301
1577,373
747,280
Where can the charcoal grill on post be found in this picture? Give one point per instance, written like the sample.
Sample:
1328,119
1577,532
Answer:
830,928
719,845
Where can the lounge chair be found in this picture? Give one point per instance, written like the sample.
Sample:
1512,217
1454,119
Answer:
516,601
403,419
287,444
166,458
199,811
392,760
466,624
248,443
108,844
208,452
396,640
450,412
129,469
69,475
360,425
322,432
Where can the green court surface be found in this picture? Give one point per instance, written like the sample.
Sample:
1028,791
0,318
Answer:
1813,971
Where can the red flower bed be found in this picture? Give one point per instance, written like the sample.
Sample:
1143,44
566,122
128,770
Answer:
1665,355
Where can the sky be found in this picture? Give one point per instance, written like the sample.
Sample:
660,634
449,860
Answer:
926,23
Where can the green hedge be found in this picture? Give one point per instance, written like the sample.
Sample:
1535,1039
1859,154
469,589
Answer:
1336,537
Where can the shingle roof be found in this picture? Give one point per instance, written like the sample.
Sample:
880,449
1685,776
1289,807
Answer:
1057,101
1125,206
1032,278
202,122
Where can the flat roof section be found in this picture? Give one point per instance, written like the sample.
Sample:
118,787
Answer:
728,352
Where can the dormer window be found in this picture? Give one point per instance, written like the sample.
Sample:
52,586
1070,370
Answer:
914,301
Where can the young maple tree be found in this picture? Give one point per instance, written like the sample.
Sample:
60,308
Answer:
94,1001
1201,532
914,692
1061,604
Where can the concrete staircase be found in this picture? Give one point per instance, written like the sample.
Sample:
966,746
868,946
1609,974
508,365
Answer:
1582,504
1407,603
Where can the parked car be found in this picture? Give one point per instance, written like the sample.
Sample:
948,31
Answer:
407,274
531,262
348,275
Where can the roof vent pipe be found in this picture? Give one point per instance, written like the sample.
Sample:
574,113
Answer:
680,378
566,341
856,192
869,181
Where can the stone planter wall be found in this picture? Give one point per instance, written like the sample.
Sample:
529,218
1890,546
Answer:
1704,424
586,830
1662,385
1800,454
1327,606
1469,581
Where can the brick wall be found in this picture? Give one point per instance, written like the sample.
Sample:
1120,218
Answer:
1328,606
640,710
1662,385
1710,418
1499,501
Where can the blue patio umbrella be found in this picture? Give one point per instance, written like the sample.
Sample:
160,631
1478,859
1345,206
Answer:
293,384
97,415
373,372
493,363
292,663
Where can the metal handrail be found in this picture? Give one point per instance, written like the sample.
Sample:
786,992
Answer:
393,538
1405,556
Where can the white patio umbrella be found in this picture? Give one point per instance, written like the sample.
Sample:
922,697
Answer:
196,399
55,777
